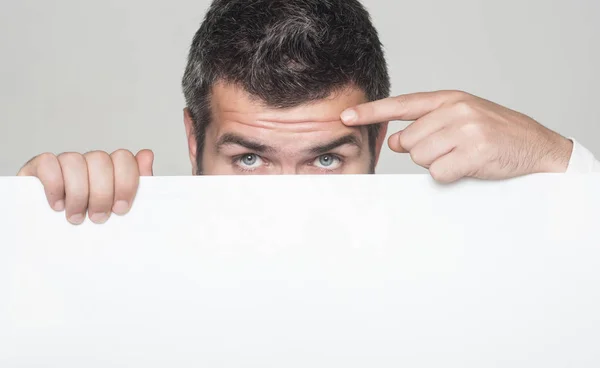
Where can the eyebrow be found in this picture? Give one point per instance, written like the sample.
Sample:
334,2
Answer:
235,139
229,139
349,139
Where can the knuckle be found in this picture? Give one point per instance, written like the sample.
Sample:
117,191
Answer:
405,141
401,101
475,132
482,147
459,94
438,174
444,173
69,157
97,156
463,108
101,200
416,156
122,154
77,200
126,187
42,161
45,159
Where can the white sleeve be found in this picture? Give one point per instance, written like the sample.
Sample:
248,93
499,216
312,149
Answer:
582,160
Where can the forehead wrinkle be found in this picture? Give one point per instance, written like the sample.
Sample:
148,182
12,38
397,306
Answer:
300,127
285,118
289,119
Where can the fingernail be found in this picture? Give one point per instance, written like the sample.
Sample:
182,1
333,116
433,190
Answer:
76,219
99,218
121,207
349,116
59,205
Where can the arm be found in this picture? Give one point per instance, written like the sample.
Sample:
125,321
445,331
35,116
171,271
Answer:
455,135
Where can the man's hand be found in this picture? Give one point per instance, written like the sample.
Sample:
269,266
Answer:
95,182
456,135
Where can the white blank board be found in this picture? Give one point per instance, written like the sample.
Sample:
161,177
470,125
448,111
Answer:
299,271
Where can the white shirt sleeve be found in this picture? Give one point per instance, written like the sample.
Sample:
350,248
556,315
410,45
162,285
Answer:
582,160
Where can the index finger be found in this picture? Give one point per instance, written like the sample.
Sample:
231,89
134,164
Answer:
47,169
404,107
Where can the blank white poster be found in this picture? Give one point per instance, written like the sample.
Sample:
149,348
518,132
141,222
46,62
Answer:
300,271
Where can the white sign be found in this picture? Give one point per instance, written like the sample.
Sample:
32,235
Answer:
299,271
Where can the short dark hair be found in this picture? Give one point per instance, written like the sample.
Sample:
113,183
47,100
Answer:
285,53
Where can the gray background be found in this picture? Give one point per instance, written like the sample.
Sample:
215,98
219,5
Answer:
85,75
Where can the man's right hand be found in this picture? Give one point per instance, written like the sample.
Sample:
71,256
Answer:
96,183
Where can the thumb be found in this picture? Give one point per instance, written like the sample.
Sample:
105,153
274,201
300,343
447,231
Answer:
145,159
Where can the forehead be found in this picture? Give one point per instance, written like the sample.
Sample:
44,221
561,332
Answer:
231,103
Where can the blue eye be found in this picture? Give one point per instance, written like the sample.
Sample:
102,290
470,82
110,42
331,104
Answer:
328,161
249,161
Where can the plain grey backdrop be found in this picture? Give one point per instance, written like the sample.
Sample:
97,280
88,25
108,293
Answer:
85,75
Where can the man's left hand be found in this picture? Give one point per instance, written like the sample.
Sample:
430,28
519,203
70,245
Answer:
456,135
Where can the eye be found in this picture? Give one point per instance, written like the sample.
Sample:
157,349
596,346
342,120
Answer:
328,161
249,161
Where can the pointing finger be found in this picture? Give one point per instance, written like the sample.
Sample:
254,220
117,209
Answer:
403,107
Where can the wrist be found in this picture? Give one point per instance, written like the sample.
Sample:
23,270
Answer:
557,157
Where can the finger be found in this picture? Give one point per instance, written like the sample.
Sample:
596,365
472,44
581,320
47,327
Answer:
394,144
47,169
403,107
145,160
435,146
127,177
101,186
425,127
75,175
450,167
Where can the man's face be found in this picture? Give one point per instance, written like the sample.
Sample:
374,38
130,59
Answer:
246,137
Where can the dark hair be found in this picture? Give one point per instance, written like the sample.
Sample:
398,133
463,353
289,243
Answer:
285,53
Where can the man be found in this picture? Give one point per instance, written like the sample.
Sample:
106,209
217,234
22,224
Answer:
302,87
